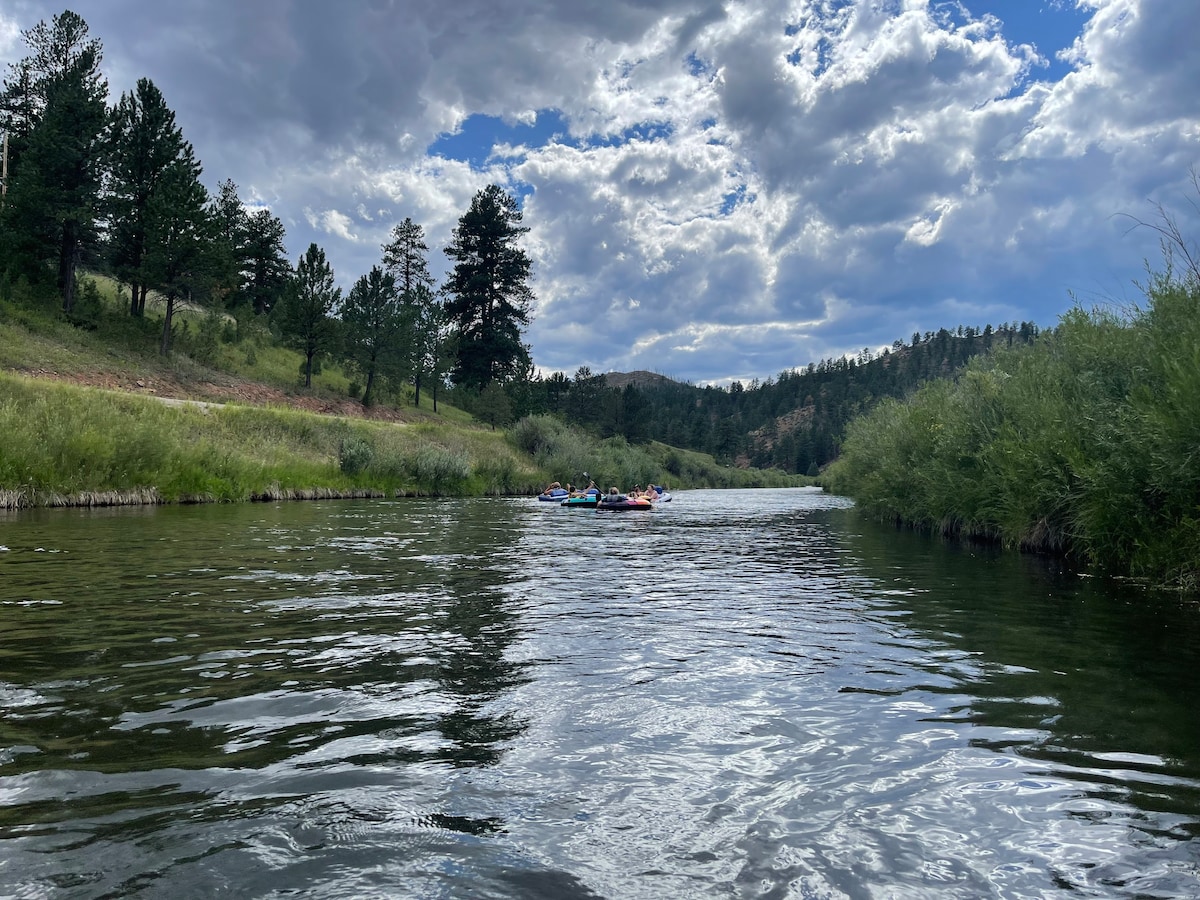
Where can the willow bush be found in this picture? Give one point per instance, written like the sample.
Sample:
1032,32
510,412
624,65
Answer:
1086,443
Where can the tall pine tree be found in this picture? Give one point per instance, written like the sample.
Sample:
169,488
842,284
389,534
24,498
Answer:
305,315
489,294
144,143
230,224
178,238
266,270
54,105
404,259
373,325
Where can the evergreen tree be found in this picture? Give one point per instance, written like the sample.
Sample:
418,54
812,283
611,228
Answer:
178,238
305,315
427,322
372,319
493,406
404,259
144,142
230,224
56,50
488,290
54,105
265,265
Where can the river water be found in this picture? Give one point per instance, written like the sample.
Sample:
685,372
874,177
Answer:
737,694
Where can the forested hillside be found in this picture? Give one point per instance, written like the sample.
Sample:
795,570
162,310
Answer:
92,187
794,422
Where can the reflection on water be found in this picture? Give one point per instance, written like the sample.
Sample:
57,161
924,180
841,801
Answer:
741,693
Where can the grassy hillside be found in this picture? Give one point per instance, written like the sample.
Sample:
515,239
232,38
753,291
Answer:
84,421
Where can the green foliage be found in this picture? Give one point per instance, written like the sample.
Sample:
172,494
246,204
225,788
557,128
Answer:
263,259
143,142
794,422
564,453
1084,443
88,307
492,406
439,469
305,313
54,106
489,292
62,441
372,323
354,455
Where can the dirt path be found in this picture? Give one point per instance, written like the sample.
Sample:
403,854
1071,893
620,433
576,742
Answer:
223,390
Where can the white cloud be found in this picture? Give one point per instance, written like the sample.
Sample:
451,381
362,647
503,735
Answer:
10,36
741,187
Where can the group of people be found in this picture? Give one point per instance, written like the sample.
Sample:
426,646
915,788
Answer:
556,489
650,493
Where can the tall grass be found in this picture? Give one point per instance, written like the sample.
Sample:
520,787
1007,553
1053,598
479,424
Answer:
64,444
1086,443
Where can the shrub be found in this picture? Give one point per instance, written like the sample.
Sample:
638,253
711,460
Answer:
437,468
354,455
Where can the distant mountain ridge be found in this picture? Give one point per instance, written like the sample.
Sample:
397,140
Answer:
640,379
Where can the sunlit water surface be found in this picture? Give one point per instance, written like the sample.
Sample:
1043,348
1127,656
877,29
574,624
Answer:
738,694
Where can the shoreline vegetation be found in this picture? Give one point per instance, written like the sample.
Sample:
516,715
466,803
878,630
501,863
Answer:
1084,445
66,445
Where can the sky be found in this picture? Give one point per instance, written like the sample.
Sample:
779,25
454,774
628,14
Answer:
714,191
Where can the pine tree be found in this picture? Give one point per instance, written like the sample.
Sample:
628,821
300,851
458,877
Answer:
144,142
488,288
54,105
404,259
230,224
178,238
266,267
372,320
305,315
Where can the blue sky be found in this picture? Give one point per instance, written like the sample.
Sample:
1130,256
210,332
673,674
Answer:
715,189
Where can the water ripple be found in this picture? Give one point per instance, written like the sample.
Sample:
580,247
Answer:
747,693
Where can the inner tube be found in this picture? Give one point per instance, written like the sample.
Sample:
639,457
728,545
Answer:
586,502
624,503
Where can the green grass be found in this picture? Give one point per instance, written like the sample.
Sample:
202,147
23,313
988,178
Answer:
66,444
63,441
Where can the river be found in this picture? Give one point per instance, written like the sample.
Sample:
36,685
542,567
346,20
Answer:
736,694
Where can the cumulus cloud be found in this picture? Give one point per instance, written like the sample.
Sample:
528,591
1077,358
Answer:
731,188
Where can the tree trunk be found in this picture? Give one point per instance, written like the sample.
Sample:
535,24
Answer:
368,399
417,385
67,256
164,346
133,298
308,358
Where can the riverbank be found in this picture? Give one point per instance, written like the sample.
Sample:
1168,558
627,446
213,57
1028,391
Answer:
1082,445
71,445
